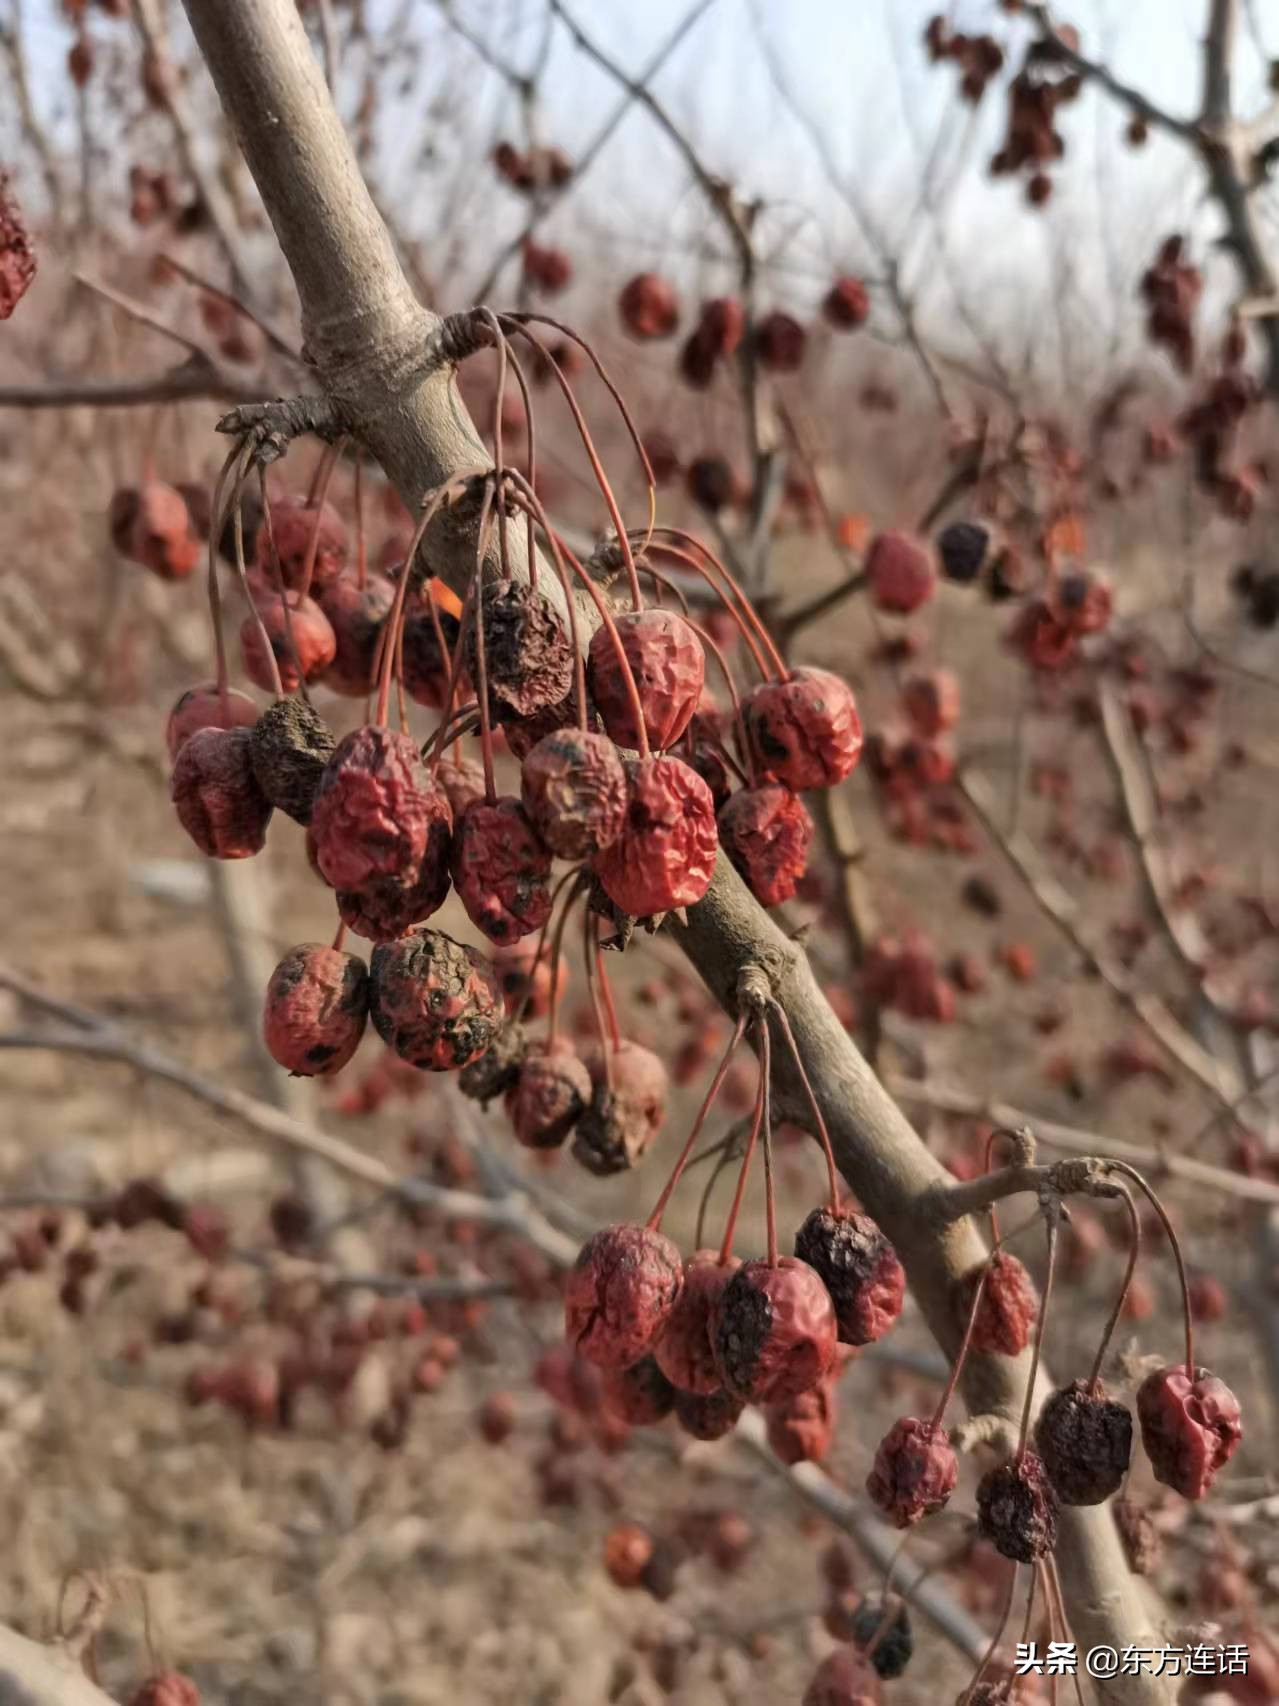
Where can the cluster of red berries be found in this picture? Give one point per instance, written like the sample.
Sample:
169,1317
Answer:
1171,288
978,58
1212,427
1032,141
534,170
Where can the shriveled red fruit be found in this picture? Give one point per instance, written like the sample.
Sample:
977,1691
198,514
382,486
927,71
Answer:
462,781
1008,1307
773,1330
664,857
216,794
316,1008
640,1395
684,1352
528,656
356,614
159,534
1085,1440
291,745
627,1551
780,342
1190,1427
709,1415
626,1110
374,810
767,833
932,702
964,548
669,667
1017,1509
17,254
914,1472
846,304
427,666
619,1293
845,1678
167,1688
1041,638
648,306
859,1268
293,520
573,786
800,1429
501,870
550,1094
720,325
900,571
805,731
524,733
207,707
434,1001
387,907
301,640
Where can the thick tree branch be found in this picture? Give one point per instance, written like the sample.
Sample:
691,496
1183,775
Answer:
35,1675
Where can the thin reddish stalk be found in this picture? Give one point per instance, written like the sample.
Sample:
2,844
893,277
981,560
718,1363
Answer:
965,1344
216,521
708,1102
499,459
1036,1352
770,1201
481,654
748,609
319,492
1170,1234
605,987
814,1107
339,935
390,628
574,877
1134,1250
277,575
588,948
743,627
242,573
995,1639
757,1119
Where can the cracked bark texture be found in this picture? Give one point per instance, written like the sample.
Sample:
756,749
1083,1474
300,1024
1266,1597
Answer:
373,348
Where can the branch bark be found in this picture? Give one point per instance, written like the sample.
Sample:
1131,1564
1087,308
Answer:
35,1675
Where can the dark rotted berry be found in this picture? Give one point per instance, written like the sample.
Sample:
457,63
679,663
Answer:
1008,1307
648,306
427,668
1085,1441
664,856
805,731
435,1001
317,1004
859,1268
711,483
963,548
626,1110
375,809
291,745
619,1293
846,304
207,706
356,615
767,833
528,656
497,1069
549,1096
523,734
900,572
773,1330
216,794
639,1395
780,342
1190,1427
294,521
501,870
300,637
893,1645
684,1352
387,907
1263,600
800,1429
1017,1509
845,1678
669,669
709,1415
573,785
914,1472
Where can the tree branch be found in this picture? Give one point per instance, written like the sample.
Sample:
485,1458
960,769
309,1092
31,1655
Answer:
1092,71
197,378
32,1674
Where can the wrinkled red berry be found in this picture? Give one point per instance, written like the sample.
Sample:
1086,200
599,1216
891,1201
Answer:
914,1472
664,856
900,571
549,1096
386,907
216,794
207,707
573,786
669,667
1190,1427
167,1688
356,615
627,1109
932,702
767,833
528,656
1017,1509
773,1330
435,1001
859,1268
648,306
293,520
846,304
800,1429
1008,1307
684,1352
317,1003
17,253
1041,638
619,1294
710,1415
845,1678
501,870
805,731
1085,1440
780,342
301,640
374,810
640,1395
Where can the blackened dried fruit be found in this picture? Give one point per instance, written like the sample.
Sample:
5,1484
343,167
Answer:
669,666
501,870
301,640
528,656
684,1352
1085,1441
773,1330
374,810
497,1069
619,1293
1008,1307
711,483
900,572
893,1645
664,857
964,548
767,833
805,731
550,1094
290,747
648,307
845,1678
914,1472
846,304
293,521
216,794
573,786
356,615
860,1270
426,668
800,1429
1190,1427
626,1110
1017,1509
708,1416
639,1395
207,707
317,1004
434,1001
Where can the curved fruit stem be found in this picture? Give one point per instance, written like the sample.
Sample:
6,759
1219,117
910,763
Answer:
589,948
1170,1234
277,576
770,1199
757,1119
216,522
242,574
708,1102
1134,1250
699,568
315,498
481,650
814,1107
361,543
1041,1322
690,540
557,948
995,1639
